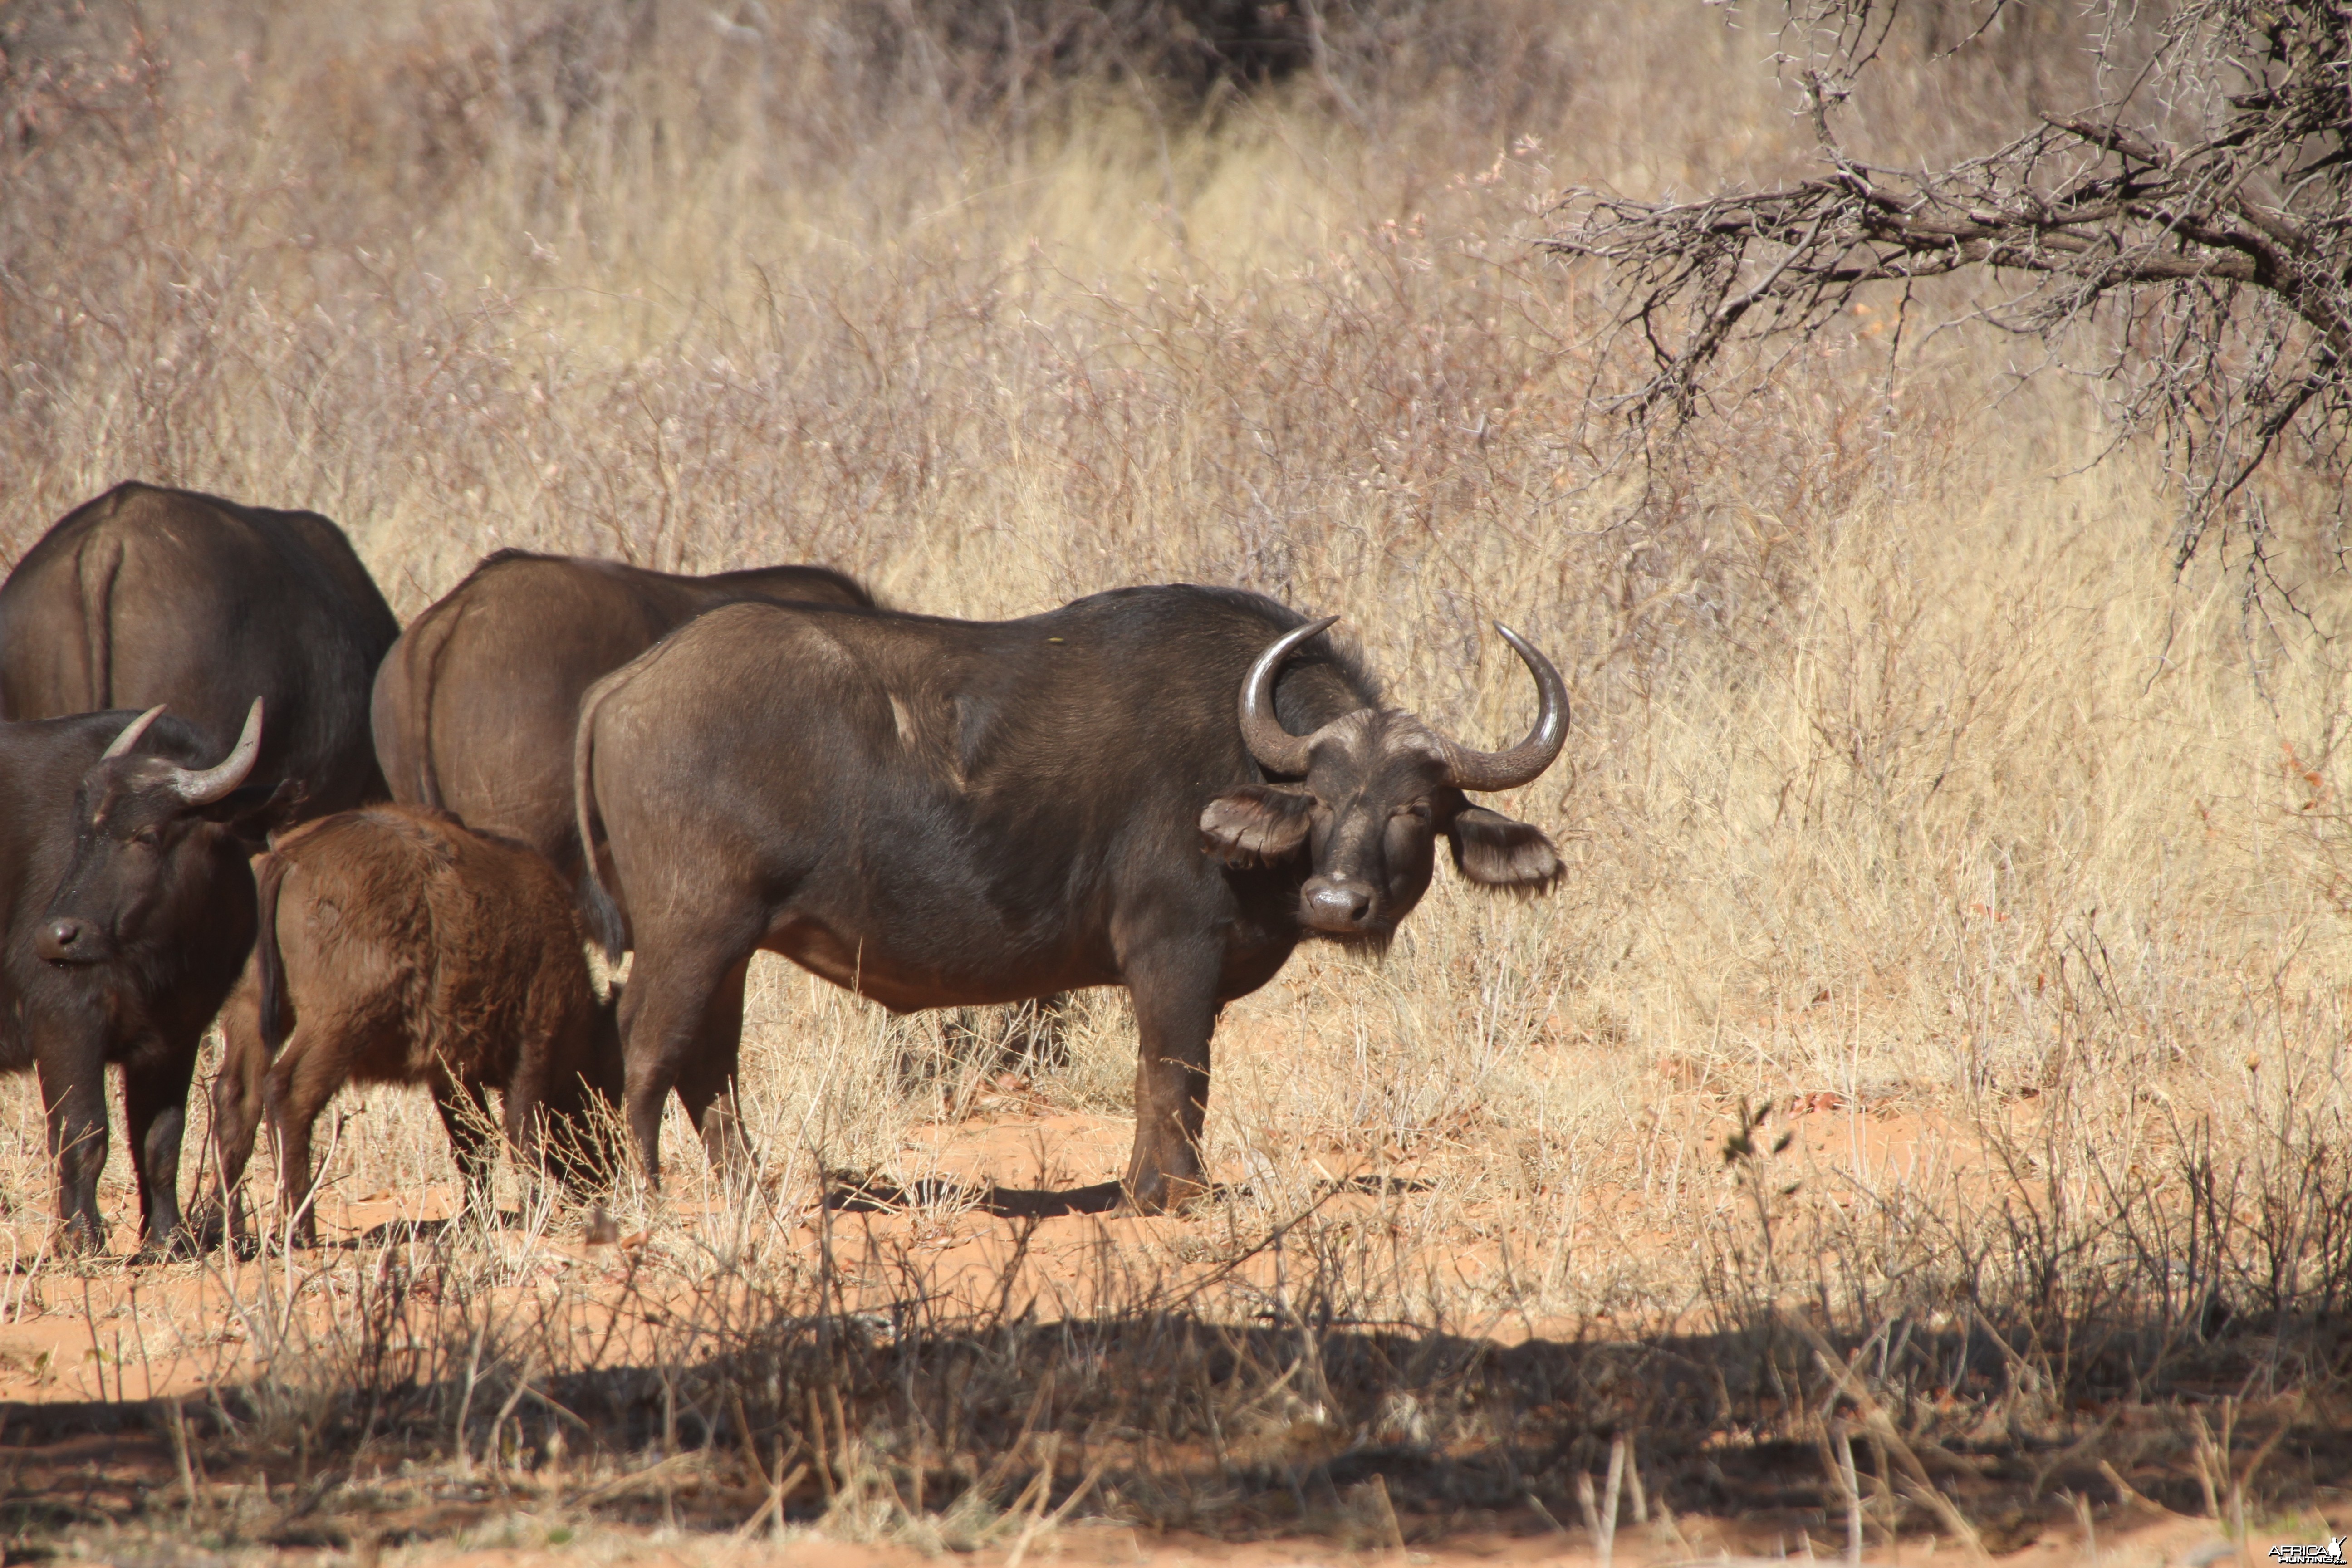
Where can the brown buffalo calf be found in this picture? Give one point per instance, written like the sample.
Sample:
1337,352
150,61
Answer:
397,947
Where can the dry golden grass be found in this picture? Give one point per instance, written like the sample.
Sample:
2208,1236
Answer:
1907,787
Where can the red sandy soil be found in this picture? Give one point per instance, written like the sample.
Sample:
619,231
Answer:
173,1331
74,1336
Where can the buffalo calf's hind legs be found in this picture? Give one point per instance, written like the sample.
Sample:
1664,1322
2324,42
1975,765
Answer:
296,1089
237,1098
464,1110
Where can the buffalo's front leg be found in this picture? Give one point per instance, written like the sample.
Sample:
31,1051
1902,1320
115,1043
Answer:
155,1118
1174,989
74,1096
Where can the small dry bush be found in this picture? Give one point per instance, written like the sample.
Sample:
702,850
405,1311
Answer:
1911,797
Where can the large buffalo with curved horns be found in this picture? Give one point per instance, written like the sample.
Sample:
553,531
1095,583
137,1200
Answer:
1162,788
137,841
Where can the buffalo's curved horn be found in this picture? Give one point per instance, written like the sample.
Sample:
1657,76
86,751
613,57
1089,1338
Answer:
1531,757
130,733
1277,749
202,786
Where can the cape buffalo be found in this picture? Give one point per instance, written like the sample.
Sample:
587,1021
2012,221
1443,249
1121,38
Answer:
397,947
476,704
148,595
136,986
938,812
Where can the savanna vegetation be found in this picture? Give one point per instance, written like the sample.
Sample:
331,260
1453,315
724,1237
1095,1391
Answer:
1921,1110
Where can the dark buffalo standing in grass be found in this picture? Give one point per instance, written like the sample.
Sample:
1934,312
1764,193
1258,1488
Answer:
148,595
475,705
129,913
1161,788
397,947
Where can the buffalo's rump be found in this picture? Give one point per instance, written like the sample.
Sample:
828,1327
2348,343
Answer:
147,596
474,707
429,946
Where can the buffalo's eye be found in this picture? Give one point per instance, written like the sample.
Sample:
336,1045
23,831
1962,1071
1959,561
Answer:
1417,810
148,837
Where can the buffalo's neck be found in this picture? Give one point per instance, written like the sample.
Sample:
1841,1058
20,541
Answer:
195,971
1264,929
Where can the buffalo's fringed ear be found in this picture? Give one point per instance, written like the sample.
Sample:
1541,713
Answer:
1495,852
1257,824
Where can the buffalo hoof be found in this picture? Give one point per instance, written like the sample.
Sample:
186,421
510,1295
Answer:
208,1230
177,1248
76,1239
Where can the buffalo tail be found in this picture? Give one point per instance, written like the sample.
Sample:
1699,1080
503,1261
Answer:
601,915
97,564
269,872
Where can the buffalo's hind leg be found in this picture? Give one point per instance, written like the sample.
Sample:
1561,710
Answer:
528,1115
706,1081
309,1070
465,1109
665,1013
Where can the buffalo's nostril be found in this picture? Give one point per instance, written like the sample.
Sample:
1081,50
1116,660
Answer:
1334,908
62,939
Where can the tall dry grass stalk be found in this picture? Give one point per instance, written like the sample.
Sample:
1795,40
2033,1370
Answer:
1907,785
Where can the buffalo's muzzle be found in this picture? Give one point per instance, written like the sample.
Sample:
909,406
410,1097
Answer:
67,940
1336,905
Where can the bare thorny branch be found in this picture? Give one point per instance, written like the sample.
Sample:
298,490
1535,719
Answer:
2199,214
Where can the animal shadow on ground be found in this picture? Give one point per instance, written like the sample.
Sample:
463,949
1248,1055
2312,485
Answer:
416,1230
849,1192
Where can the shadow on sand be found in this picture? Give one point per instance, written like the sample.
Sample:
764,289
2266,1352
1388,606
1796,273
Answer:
850,1192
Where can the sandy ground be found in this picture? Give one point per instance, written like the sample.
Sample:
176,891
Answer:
173,1331
111,1332
2135,1542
